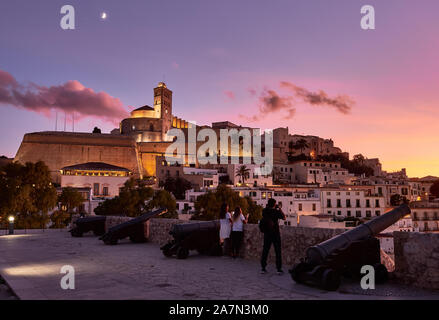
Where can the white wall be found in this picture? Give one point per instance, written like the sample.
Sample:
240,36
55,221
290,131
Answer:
113,183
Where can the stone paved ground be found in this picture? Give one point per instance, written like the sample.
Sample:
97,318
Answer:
31,263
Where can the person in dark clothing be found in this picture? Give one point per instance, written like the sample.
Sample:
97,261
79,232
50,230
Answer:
238,221
272,213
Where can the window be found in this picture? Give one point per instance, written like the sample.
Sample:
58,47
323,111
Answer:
367,203
377,203
96,189
357,204
313,207
339,212
368,213
348,213
328,203
378,213
338,203
348,203
300,207
105,191
358,214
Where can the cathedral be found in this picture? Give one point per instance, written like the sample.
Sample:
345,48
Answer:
137,143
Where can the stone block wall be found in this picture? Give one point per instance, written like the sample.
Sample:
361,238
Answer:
112,221
295,241
159,230
417,258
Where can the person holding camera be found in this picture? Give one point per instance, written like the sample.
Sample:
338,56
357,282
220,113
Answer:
270,226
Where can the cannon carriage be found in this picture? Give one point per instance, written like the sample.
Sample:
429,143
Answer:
200,236
346,254
86,224
134,229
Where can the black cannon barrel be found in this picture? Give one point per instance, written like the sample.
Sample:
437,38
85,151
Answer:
186,228
90,219
319,252
139,219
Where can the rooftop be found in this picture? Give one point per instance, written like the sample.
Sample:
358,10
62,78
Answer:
144,108
95,166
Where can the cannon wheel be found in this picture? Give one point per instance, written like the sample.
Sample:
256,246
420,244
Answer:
381,273
166,249
297,270
138,239
98,233
182,253
76,233
202,251
111,242
330,280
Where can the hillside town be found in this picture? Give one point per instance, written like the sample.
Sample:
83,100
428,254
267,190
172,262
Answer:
316,183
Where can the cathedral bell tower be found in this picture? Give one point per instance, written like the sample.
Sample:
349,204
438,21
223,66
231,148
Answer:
163,106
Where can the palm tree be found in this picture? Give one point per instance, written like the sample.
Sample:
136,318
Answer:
243,172
301,145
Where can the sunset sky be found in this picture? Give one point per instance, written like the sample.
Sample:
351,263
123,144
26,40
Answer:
221,59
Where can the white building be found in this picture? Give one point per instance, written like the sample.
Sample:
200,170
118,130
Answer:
97,181
425,215
320,221
316,172
254,178
351,203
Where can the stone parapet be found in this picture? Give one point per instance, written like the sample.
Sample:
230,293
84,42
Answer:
417,258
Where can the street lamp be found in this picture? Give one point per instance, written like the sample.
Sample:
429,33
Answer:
11,224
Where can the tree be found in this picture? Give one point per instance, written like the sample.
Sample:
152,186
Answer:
301,145
163,199
71,199
177,186
243,172
397,200
355,166
254,211
26,191
207,206
97,130
434,189
60,219
132,200
359,158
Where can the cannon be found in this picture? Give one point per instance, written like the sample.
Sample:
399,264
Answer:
83,225
134,229
200,236
346,254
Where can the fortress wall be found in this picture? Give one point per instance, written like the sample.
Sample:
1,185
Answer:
62,149
148,153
